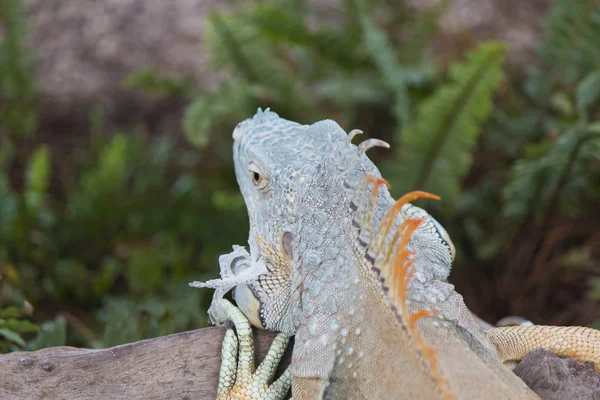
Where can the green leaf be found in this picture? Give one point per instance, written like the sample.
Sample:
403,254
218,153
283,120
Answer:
561,102
106,276
281,25
52,334
20,325
120,322
19,111
384,55
152,82
588,91
436,149
146,269
536,182
10,312
233,101
12,336
572,30
38,177
349,90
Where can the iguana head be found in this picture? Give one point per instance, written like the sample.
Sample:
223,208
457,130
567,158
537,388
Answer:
278,164
299,183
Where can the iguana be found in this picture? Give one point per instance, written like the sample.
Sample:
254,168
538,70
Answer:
358,278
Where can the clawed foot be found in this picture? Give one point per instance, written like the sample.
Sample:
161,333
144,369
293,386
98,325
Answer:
238,378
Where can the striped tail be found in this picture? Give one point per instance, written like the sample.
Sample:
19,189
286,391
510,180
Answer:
512,343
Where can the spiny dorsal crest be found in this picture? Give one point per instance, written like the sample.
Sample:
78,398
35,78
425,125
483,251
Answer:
436,248
392,264
387,254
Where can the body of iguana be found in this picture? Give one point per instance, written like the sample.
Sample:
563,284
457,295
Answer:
359,279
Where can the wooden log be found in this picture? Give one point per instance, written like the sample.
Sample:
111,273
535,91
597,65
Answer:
180,366
186,366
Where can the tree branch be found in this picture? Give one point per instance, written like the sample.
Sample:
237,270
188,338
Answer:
180,366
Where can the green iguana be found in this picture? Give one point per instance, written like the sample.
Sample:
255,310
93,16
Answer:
358,278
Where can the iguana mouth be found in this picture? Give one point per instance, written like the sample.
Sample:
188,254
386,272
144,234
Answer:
245,296
247,300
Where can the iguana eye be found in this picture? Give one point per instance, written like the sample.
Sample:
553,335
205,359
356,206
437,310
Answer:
258,178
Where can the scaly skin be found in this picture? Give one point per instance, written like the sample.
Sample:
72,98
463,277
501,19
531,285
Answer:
358,278
238,380
514,342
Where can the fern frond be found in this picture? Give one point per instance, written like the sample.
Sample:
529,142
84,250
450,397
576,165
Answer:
572,29
537,185
329,44
239,48
386,60
259,63
422,27
234,101
19,113
436,150
152,82
347,90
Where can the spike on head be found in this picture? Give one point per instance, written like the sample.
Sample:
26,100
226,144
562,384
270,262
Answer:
370,143
352,134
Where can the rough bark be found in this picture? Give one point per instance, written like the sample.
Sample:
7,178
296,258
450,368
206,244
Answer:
180,366
186,366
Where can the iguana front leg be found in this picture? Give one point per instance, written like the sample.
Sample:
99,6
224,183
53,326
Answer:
238,378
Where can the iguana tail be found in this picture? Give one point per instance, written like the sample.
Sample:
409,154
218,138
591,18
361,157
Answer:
512,343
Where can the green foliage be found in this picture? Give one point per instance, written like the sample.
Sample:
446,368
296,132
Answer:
436,150
12,325
543,178
571,48
37,179
152,83
103,238
385,58
18,114
127,320
124,242
328,69
559,172
234,100
51,333
588,93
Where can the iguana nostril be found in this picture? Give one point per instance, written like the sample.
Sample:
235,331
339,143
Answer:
286,242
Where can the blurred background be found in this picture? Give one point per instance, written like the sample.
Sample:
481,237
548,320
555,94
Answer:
116,178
